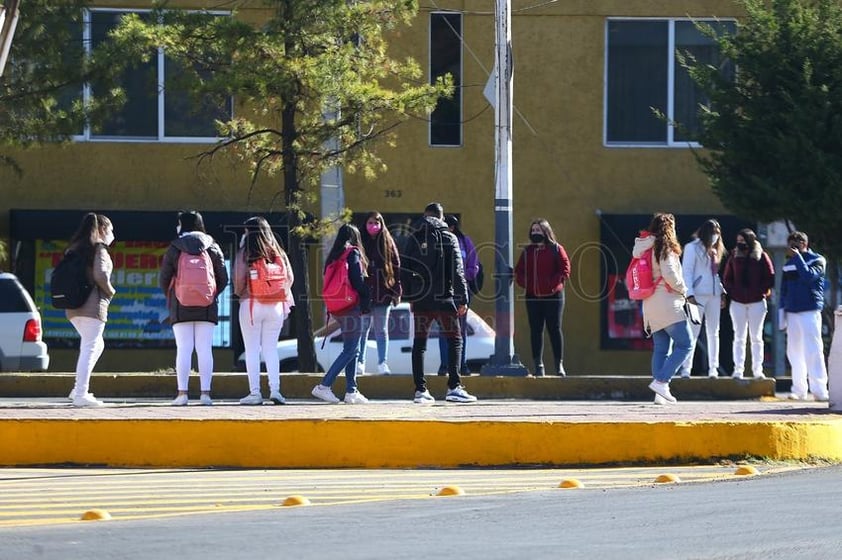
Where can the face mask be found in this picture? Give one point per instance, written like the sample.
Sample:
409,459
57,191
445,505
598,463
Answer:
372,229
714,238
109,238
742,247
536,237
178,229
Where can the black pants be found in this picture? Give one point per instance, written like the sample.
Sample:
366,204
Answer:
448,321
546,311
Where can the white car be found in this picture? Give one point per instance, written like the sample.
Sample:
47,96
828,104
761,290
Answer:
21,347
480,345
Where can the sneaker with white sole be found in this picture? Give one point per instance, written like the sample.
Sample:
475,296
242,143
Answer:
797,397
737,375
460,395
205,399
360,368
685,373
423,397
277,398
659,400
180,400
87,400
383,369
324,393
663,389
252,399
355,398
760,375
713,373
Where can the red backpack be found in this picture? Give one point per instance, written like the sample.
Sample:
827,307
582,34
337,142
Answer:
268,281
195,283
639,276
338,293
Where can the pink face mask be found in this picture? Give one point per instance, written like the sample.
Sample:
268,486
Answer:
372,229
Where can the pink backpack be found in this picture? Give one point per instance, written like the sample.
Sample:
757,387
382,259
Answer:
268,281
337,291
639,277
194,283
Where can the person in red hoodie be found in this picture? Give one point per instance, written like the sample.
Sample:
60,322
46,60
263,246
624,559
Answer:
541,270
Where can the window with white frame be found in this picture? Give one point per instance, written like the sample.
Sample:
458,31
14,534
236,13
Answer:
158,106
446,58
643,73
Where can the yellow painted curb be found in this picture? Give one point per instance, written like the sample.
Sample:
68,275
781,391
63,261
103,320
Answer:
387,443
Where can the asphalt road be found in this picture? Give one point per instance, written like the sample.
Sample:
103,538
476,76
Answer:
778,515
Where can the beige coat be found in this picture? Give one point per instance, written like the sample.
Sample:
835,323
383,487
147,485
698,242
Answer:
666,306
99,274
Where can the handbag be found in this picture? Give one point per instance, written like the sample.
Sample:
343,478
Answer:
693,313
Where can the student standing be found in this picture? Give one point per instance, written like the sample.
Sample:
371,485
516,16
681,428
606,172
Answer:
262,317
748,278
542,270
348,246
700,266
663,312
91,241
193,322
384,285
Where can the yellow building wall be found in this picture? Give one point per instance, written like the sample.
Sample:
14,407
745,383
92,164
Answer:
562,170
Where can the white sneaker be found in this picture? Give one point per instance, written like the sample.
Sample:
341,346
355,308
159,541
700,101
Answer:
355,398
760,375
713,373
277,398
324,393
360,368
424,397
87,400
460,395
252,399
797,397
663,389
72,395
383,369
737,375
685,373
180,400
821,398
205,399
661,400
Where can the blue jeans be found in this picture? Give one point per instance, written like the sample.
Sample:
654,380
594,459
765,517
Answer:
672,345
350,324
380,317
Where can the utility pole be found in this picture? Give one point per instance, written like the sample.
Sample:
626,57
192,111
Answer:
9,13
504,361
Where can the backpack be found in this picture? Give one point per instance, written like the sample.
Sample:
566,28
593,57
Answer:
338,293
424,256
268,281
639,280
69,284
195,283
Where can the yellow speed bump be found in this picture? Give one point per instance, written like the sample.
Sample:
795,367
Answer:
571,483
746,470
451,491
296,501
667,478
95,515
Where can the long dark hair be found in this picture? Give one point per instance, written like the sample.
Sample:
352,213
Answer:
348,234
705,234
90,232
261,242
385,245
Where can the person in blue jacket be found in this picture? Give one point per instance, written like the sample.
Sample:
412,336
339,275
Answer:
802,301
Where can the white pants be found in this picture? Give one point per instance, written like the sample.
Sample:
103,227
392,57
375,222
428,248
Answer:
748,318
91,346
805,352
192,335
261,326
711,308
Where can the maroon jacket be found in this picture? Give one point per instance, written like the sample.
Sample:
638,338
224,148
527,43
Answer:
749,278
542,269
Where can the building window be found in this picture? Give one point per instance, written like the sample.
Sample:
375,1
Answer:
446,58
158,107
643,73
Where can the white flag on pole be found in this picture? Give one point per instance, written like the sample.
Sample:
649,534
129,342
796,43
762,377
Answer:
490,89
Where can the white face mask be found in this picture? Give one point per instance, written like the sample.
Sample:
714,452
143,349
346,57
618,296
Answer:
714,238
178,229
108,239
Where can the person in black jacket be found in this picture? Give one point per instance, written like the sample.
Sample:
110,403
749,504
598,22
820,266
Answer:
348,245
434,284
193,325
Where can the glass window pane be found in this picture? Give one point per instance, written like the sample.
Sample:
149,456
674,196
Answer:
688,97
190,115
139,116
637,81
446,58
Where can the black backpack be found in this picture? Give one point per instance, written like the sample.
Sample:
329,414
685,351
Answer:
69,285
423,260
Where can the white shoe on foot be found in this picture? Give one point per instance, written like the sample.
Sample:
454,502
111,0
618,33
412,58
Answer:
252,399
663,389
205,399
737,375
276,397
424,397
383,369
355,398
460,395
360,368
713,373
87,400
324,393
659,400
180,400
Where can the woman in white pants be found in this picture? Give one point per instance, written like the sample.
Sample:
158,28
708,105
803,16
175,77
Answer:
748,278
91,241
193,325
700,265
263,280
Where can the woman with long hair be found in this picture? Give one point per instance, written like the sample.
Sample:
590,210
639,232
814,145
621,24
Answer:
348,246
193,325
262,317
384,285
91,241
541,270
664,317
700,265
